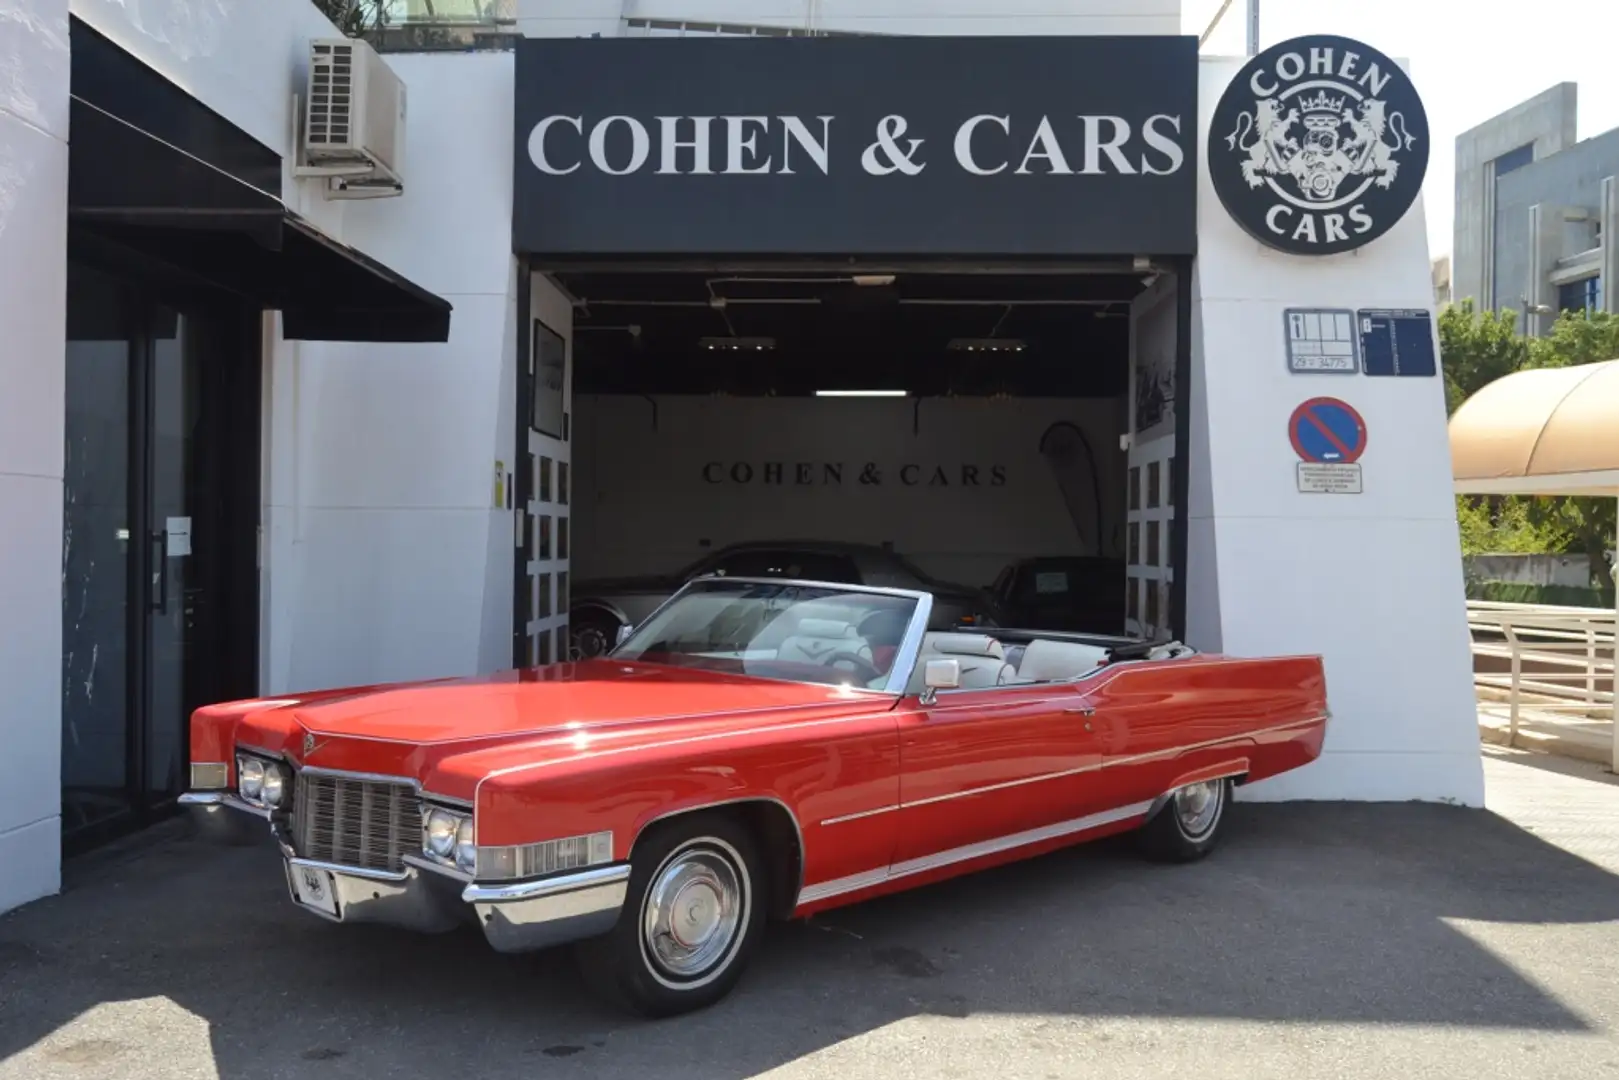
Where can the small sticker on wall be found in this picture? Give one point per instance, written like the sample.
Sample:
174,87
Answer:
500,485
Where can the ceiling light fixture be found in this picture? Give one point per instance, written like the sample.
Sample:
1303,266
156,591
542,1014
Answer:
987,345
861,393
874,279
737,344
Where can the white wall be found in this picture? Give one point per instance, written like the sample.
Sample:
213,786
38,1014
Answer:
386,556
1373,582
643,503
581,18
33,290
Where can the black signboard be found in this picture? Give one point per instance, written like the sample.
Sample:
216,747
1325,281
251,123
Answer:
1319,145
922,146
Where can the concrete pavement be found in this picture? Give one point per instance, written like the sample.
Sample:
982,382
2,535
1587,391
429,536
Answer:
1323,940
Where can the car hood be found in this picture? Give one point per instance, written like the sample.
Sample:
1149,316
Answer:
356,729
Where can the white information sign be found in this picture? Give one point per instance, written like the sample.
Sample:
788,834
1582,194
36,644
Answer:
1329,478
1321,341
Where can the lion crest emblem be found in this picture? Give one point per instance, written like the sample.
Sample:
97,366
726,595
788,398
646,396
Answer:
1311,149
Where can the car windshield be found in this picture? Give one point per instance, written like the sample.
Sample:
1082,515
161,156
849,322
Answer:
801,633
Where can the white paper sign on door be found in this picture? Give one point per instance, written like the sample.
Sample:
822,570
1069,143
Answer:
178,530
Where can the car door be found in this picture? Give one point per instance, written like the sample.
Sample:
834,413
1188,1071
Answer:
985,766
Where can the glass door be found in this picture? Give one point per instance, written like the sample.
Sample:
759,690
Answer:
97,556
131,529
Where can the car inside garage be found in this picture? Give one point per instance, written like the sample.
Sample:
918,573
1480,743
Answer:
976,434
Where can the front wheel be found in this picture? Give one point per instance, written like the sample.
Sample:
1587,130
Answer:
692,916
1187,826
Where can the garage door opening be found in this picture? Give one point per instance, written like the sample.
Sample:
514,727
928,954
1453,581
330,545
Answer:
1005,440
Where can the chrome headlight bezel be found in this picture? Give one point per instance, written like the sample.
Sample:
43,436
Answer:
263,782
445,830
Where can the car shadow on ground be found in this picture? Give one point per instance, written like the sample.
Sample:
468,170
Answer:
1314,913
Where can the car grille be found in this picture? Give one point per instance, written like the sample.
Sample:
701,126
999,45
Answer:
352,822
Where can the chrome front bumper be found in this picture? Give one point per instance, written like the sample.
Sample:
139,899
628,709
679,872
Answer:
517,917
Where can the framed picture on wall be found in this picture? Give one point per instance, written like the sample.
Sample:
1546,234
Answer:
550,354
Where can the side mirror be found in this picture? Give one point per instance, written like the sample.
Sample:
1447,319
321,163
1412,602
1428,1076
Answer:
624,633
942,674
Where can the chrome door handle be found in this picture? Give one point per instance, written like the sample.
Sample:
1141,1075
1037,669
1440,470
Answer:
1082,710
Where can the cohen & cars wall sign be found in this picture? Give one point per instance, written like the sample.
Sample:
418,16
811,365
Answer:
895,145
1319,145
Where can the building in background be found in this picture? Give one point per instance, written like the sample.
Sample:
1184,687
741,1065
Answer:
1536,213
1441,280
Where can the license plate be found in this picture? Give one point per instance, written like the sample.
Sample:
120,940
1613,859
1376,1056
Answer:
314,888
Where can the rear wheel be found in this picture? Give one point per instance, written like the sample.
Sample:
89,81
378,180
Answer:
693,914
1188,825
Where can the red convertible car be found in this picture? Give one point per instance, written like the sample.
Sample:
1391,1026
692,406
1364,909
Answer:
753,749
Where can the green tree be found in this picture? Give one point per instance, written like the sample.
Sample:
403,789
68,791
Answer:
1478,348
354,17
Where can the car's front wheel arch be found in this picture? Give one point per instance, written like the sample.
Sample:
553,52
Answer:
775,830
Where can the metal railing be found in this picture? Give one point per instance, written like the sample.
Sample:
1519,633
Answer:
1546,658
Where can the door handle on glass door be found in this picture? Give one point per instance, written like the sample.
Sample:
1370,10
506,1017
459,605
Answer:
160,574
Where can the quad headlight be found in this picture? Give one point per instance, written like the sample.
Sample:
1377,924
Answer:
447,837
260,782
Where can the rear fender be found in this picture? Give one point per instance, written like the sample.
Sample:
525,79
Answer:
1231,768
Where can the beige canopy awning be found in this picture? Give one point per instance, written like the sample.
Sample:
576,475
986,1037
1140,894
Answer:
1549,431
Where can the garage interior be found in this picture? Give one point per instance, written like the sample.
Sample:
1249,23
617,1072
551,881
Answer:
968,421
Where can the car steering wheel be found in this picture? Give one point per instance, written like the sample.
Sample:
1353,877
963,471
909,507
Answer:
873,672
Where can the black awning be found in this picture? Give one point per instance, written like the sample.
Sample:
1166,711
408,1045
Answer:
171,205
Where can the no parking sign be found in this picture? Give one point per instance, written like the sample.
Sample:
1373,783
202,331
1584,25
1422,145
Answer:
1329,436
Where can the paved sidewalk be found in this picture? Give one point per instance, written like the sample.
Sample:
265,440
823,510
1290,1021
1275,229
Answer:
1322,942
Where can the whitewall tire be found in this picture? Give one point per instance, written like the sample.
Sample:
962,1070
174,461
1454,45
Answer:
693,915
1190,822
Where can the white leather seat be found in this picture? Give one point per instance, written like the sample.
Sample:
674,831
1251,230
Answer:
982,659
1057,661
813,641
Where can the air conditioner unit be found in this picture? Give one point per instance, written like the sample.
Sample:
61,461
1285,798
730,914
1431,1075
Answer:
351,121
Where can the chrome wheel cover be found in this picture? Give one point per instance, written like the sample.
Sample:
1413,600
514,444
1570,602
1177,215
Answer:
694,912
1197,807
589,643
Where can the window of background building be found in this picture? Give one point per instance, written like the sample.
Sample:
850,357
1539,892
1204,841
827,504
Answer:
1515,159
1584,295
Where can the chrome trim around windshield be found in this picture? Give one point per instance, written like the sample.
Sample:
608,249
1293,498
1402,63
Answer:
910,646
899,674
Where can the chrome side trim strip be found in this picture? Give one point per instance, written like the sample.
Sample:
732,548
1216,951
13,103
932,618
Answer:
1134,759
534,890
939,860
861,814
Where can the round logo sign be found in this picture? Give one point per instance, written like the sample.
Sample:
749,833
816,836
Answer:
1319,145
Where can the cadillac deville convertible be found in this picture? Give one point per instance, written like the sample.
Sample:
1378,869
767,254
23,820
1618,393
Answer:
753,749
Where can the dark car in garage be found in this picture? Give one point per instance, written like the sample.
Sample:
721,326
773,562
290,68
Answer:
1078,593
